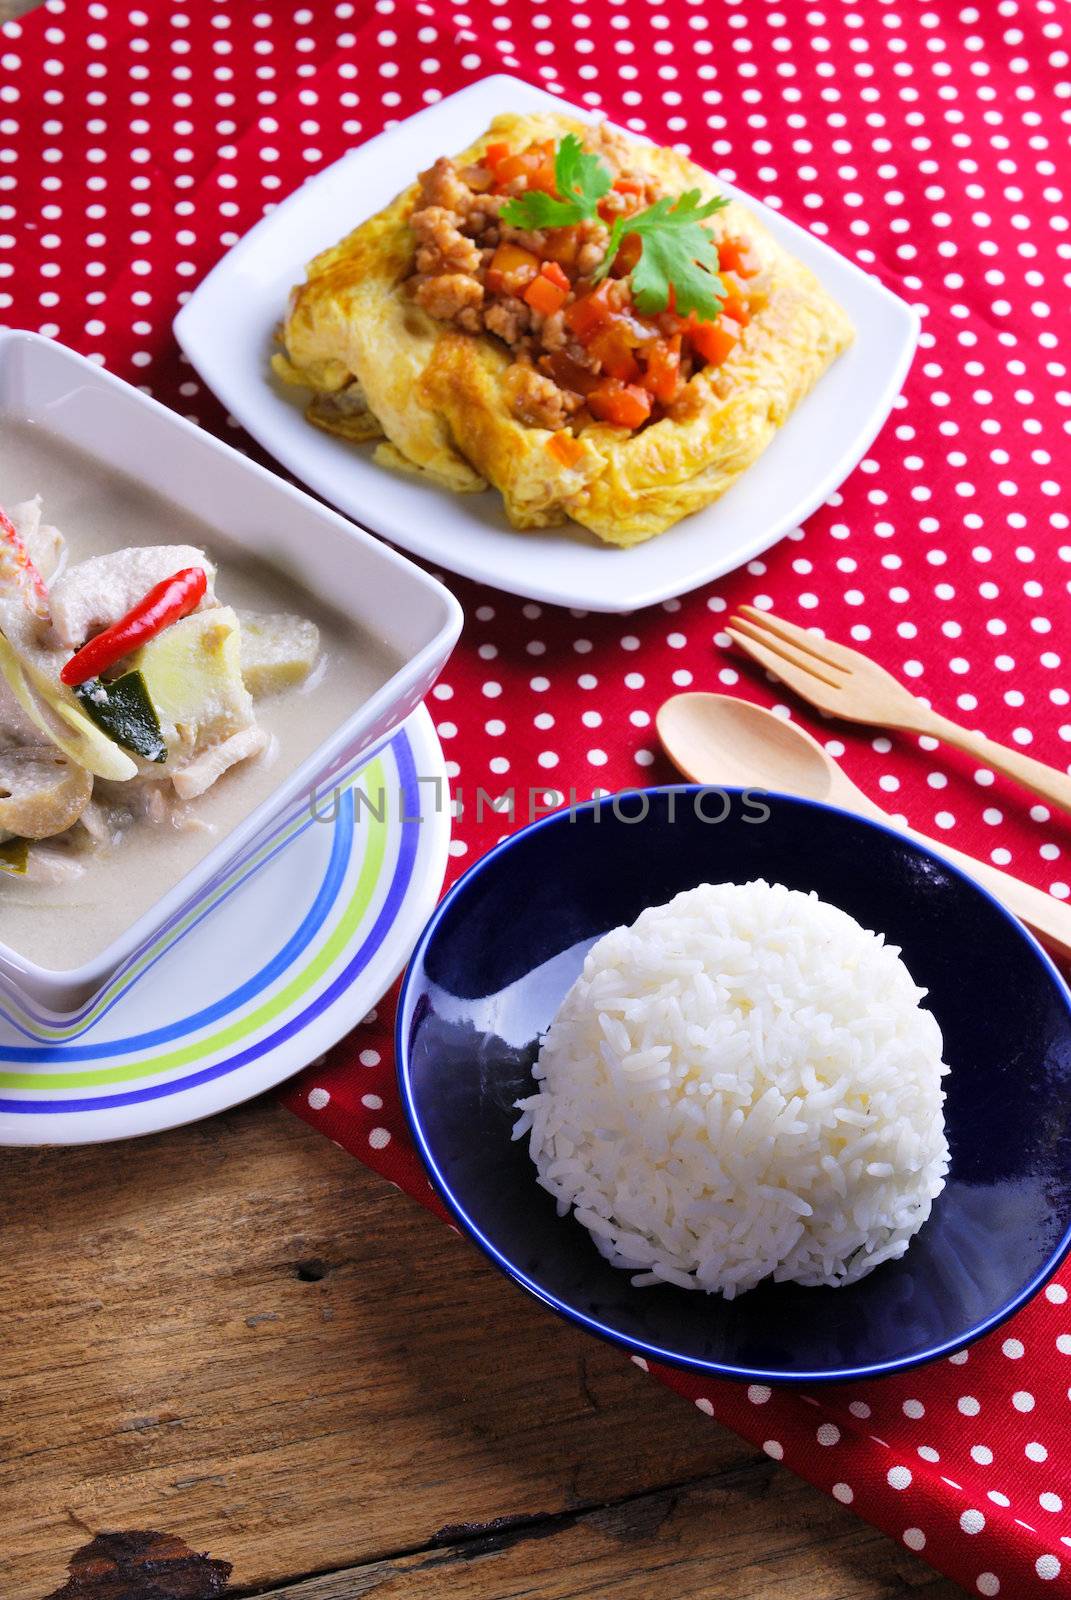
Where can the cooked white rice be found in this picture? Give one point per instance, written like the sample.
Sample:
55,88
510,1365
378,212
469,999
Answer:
743,1084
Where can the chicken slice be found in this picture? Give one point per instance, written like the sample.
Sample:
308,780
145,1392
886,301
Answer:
201,773
93,594
52,866
45,545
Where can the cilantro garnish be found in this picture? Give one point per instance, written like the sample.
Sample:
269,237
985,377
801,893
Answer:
677,253
581,180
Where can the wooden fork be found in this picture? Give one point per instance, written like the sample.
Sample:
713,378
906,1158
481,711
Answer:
847,684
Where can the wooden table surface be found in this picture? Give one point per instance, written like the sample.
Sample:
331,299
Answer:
237,1336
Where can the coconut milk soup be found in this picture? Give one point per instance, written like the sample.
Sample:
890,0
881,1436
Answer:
156,685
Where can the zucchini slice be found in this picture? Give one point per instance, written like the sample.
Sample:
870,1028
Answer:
124,711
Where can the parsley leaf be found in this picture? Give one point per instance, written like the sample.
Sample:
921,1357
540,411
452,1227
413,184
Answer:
581,180
677,253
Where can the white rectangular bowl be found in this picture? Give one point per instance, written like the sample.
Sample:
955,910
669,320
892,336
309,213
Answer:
227,329
380,591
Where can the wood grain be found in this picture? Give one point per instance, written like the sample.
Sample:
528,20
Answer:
235,1334
747,1535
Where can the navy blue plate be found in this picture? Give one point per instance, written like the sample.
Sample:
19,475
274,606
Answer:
500,952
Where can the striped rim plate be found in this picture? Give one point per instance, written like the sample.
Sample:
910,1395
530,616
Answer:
294,951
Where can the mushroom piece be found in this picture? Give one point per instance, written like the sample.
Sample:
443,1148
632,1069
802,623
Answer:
42,791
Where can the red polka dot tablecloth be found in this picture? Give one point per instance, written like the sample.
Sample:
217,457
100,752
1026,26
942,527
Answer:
928,143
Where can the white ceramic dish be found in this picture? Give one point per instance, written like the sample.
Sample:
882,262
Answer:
252,509
286,961
227,327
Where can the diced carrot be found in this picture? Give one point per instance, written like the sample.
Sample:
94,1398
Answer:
544,176
736,302
511,268
715,341
565,447
562,245
625,405
535,164
612,345
664,369
589,312
510,257
737,308
545,296
628,186
551,270
516,166
737,255
627,256
494,154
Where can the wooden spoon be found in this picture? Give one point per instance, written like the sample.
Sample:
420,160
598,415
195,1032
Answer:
717,740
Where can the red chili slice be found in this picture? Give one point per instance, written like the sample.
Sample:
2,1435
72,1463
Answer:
168,602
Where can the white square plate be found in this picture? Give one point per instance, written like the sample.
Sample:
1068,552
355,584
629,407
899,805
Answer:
227,328
246,509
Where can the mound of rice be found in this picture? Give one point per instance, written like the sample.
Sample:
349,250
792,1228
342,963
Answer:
743,1084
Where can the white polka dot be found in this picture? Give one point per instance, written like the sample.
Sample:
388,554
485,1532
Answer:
914,1408
859,1408
898,1477
379,1138
1023,1400
369,1058
1035,1451
844,1493
1056,1293
775,1449
968,1405
1050,1502
982,1454
914,1538
758,1394
972,1521
318,1098
1013,1349
1047,1567
987,1583
828,1433
706,1406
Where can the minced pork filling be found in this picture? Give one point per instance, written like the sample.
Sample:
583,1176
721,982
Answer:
582,351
